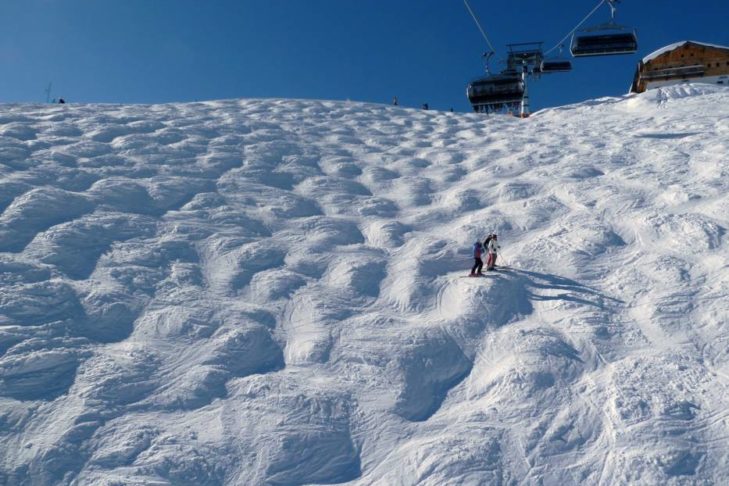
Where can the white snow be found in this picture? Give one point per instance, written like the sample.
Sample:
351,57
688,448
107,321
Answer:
675,45
275,292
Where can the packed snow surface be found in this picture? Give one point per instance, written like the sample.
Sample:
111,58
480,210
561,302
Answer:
274,292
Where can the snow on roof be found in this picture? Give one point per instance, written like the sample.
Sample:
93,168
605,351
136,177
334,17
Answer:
675,45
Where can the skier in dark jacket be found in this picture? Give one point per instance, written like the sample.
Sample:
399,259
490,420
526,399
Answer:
478,264
486,241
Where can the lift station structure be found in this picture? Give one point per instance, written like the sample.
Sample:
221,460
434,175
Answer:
508,90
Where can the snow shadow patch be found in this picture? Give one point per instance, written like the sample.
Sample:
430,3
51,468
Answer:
43,375
544,286
314,456
39,303
246,351
683,464
666,135
36,211
74,248
429,368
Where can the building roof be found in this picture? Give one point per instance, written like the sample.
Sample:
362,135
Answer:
676,45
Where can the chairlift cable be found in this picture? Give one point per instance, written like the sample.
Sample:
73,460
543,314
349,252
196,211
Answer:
561,42
478,24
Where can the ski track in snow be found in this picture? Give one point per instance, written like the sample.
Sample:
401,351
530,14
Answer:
273,292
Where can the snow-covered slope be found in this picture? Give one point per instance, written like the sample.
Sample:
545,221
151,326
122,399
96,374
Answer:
274,292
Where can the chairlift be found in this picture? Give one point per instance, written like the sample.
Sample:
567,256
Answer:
605,39
555,64
495,92
607,42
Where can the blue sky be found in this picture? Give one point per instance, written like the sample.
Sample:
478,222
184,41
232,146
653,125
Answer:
147,51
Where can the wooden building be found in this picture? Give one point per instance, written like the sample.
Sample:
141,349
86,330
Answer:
682,62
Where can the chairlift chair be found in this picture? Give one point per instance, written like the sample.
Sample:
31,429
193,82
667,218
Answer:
494,92
605,39
555,64
608,40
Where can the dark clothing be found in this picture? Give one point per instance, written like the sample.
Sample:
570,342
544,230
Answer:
477,267
477,250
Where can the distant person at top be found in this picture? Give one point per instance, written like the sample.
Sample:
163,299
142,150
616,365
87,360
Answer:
61,101
394,101
425,106
493,247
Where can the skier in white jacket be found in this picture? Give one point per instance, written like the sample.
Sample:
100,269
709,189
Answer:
492,248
